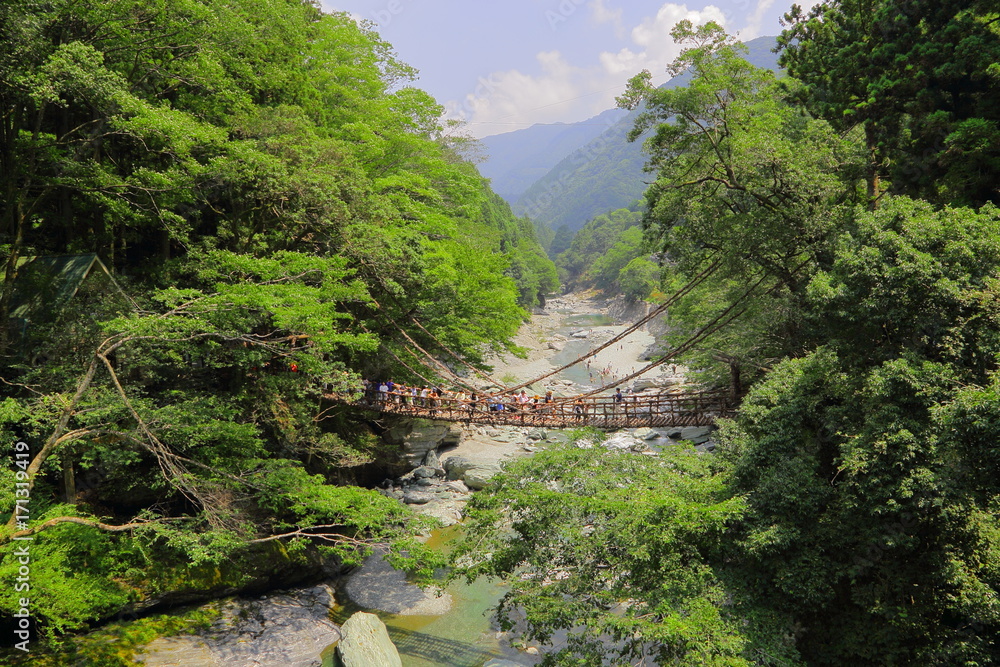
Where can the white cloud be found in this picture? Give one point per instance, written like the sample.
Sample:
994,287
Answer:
509,100
602,14
564,92
752,28
653,35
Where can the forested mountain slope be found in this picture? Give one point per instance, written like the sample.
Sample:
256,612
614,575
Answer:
517,159
607,172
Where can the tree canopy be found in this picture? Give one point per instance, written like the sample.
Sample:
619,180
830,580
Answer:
285,214
848,514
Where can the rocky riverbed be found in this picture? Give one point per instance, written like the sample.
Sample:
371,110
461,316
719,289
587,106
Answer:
446,463
440,466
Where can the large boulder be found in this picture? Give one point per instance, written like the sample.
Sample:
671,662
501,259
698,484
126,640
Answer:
290,629
478,477
693,434
378,586
416,437
366,643
475,474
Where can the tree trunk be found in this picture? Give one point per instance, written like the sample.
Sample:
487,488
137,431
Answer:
736,378
69,479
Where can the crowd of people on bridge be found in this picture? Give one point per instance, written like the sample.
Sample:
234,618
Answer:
387,394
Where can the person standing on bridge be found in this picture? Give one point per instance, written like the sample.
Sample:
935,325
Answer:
619,398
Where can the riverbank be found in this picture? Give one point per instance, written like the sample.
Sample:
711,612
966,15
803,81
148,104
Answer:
446,463
459,632
570,326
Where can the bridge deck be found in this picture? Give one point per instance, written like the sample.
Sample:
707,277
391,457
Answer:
665,410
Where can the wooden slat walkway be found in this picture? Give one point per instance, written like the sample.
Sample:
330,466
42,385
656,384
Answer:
602,412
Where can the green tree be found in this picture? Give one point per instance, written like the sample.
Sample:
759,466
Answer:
870,528
920,78
746,182
618,548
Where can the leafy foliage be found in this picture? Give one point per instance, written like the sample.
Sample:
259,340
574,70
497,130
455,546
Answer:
919,77
617,548
860,467
280,206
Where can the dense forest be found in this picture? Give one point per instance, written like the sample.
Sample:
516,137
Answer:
610,253
213,214
216,214
843,221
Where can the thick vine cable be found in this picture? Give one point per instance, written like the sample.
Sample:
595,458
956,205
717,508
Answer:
687,345
694,282
401,362
455,377
434,338
692,340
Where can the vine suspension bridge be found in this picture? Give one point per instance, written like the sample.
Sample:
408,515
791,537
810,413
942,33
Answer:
603,412
502,407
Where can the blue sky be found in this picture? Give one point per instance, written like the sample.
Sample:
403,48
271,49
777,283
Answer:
504,65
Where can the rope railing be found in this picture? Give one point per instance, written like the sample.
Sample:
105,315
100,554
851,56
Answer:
668,409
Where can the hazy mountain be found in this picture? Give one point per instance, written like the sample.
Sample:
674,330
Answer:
601,173
518,159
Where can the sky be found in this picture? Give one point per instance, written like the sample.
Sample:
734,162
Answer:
502,65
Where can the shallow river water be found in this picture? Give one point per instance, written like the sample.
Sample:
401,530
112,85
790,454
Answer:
462,637
465,635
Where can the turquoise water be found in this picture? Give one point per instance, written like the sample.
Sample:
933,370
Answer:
588,320
463,637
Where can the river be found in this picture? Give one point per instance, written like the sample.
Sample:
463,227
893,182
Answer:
464,636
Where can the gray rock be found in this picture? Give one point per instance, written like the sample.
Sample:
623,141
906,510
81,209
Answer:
643,384
476,474
478,477
555,346
425,471
458,486
455,466
448,512
377,586
707,446
366,643
415,497
696,434
416,437
537,434
394,493
622,440
431,460
289,629
646,434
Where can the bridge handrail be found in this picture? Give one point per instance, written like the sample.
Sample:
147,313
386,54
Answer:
701,403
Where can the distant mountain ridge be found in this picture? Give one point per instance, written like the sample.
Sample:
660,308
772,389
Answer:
517,159
600,173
